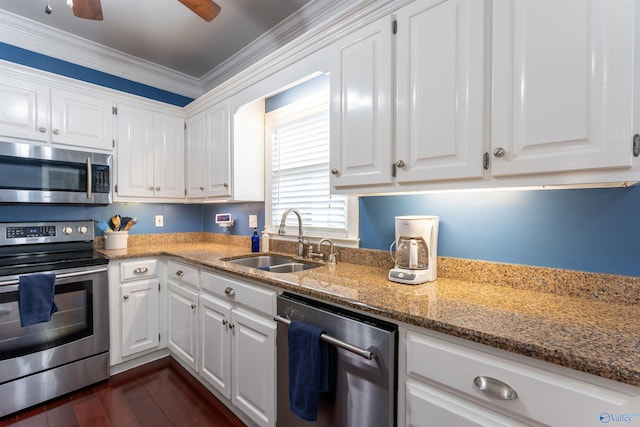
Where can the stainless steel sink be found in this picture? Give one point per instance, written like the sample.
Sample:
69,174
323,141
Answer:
273,263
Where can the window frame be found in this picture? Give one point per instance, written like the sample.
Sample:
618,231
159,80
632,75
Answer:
296,110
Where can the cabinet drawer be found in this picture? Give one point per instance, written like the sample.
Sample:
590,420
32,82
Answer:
138,269
183,273
542,395
255,297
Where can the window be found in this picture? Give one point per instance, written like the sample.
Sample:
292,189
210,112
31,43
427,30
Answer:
297,168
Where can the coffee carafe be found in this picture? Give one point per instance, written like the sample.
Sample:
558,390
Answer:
416,246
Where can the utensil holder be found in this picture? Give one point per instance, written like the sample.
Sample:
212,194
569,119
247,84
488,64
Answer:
116,239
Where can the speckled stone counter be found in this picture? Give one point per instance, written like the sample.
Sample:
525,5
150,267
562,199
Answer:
588,322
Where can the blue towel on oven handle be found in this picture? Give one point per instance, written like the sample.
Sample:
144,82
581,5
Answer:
35,298
308,369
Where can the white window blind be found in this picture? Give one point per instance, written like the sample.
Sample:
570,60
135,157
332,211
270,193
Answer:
300,171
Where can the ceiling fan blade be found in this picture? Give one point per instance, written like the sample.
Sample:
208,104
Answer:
88,9
205,9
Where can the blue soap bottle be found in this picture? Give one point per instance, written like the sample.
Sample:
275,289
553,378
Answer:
255,241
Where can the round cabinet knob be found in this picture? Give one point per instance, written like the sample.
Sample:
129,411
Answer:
226,185
335,172
193,306
231,326
56,131
201,188
82,230
179,273
401,164
150,188
126,297
499,152
67,230
229,291
42,130
224,322
157,188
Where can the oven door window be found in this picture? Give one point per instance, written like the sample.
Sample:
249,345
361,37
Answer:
42,175
73,321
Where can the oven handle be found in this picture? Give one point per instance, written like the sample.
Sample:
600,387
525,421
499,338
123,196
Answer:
367,354
59,276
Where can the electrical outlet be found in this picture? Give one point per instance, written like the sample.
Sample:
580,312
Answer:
253,221
159,221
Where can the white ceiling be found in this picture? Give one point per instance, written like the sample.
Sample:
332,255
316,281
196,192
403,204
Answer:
162,42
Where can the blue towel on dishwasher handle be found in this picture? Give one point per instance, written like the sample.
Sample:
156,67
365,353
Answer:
35,298
308,369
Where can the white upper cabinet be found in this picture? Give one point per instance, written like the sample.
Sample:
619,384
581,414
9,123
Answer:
562,85
24,109
150,155
34,111
81,120
440,59
362,106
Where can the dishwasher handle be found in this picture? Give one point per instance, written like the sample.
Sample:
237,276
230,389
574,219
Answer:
366,354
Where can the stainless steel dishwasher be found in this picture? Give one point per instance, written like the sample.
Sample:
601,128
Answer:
365,349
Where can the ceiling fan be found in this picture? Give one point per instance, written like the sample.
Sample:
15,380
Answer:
92,9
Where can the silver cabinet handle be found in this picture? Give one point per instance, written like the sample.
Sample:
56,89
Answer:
126,297
499,152
335,172
179,273
229,291
495,388
140,270
56,131
42,129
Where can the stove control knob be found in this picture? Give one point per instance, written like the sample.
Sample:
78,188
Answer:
67,230
82,230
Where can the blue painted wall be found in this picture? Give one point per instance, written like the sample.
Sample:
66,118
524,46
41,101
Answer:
64,68
593,230
177,218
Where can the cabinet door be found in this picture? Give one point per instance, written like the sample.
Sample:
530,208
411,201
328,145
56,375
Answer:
134,153
168,175
81,120
217,169
196,147
140,322
562,79
215,343
183,324
440,97
361,106
427,406
253,366
24,110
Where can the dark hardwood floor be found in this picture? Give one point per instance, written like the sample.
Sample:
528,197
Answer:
158,394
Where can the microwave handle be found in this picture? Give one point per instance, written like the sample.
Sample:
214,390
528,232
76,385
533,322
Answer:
89,178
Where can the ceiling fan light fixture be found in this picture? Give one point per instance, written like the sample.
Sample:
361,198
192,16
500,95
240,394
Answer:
205,9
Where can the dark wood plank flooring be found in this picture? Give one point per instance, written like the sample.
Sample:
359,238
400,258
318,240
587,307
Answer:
158,394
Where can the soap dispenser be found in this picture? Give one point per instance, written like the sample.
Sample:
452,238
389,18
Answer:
255,241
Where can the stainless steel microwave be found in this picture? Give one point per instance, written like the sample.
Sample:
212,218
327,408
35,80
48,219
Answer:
32,173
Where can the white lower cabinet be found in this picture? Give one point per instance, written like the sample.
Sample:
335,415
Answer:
441,383
237,344
183,326
135,308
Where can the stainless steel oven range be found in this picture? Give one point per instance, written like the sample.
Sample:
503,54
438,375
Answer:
44,360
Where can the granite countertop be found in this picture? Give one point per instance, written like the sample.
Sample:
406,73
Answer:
593,336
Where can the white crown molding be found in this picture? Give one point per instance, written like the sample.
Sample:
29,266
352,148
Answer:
311,28
33,36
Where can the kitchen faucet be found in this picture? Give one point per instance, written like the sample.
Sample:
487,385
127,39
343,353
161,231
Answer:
281,230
